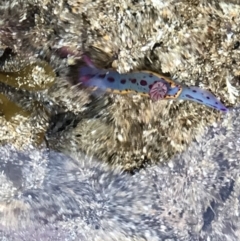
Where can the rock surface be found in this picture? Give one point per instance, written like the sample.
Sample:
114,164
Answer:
169,192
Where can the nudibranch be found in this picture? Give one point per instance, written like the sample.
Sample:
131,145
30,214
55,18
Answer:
145,83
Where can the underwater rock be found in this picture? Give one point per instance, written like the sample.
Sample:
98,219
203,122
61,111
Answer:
195,42
194,197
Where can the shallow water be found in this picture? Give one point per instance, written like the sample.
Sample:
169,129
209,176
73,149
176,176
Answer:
33,77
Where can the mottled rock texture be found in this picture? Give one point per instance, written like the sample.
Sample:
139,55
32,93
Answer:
175,193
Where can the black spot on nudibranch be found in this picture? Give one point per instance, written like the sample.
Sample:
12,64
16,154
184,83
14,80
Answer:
110,79
208,97
199,100
133,81
216,103
123,81
190,97
194,91
143,82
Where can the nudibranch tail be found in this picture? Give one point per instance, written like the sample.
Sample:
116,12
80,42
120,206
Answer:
88,61
88,75
201,96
